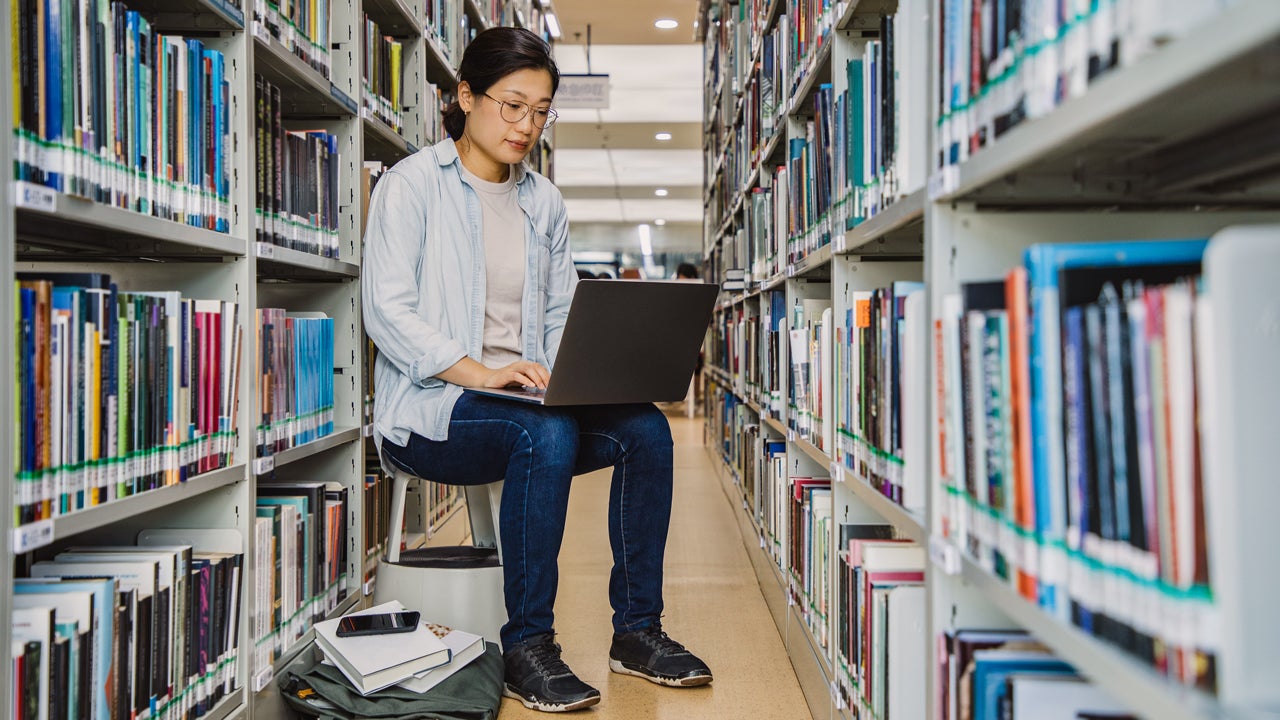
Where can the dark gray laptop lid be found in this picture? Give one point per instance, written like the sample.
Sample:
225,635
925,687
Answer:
630,341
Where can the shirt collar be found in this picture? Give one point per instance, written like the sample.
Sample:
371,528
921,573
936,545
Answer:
447,154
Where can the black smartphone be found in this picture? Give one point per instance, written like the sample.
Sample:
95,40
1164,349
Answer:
383,624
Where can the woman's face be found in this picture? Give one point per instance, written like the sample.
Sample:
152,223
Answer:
493,138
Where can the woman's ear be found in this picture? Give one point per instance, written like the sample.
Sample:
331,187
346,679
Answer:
465,98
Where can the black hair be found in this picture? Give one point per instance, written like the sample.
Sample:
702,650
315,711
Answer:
687,270
493,55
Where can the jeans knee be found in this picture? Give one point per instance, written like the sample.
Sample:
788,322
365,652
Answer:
554,440
648,428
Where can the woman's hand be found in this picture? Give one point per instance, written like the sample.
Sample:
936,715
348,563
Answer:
521,372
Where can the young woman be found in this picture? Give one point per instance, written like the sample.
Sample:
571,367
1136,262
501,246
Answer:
467,283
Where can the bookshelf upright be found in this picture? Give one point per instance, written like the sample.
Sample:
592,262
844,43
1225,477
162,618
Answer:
271,237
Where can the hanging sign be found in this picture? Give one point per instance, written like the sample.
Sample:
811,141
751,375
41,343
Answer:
578,92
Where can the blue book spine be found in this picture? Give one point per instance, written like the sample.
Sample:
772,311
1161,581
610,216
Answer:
216,118
54,151
194,129
328,384
224,151
1077,453
1043,263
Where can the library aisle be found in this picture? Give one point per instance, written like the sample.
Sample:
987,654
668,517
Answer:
713,605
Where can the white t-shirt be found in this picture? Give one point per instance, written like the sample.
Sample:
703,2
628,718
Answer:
502,225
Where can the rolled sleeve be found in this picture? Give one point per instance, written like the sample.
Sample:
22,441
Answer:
395,240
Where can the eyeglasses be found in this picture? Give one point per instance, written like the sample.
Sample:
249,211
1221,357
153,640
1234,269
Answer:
513,112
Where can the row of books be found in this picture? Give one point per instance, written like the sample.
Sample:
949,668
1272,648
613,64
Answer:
296,194
382,76
295,378
810,552
860,589
118,392
449,26
1003,61
872,358
377,513
879,621
759,465
106,108
1071,443
301,26
300,537
809,388
147,632
996,674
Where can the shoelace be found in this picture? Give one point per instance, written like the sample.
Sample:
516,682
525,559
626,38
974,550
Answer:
657,638
545,658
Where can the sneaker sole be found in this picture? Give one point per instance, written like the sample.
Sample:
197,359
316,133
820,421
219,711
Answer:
693,681
549,707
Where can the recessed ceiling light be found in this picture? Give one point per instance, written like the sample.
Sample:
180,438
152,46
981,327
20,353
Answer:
666,24
660,192
662,136
659,222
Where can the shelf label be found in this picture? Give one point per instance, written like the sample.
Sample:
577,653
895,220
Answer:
944,555
369,586
35,197
410,147
264,465
32,535
368,430
343,99
264,250
263,678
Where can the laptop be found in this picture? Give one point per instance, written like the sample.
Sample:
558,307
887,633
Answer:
626,341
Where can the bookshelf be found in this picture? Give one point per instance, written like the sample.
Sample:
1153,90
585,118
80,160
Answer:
1168,142
46,230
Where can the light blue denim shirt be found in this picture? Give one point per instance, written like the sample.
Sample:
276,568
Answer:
423,285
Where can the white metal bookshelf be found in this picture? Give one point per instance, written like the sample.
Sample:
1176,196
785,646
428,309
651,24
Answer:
1149,139
42,229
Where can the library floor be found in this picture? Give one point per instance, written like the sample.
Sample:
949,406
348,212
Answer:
713,605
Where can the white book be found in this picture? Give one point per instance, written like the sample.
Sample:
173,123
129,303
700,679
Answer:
36,625
915,423
1057,697
375,662
464,647
908,646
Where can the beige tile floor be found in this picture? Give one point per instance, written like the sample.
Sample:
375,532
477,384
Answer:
713,606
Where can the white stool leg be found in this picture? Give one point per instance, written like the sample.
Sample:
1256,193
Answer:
399,487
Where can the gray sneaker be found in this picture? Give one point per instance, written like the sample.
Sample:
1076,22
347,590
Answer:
538,678
652,654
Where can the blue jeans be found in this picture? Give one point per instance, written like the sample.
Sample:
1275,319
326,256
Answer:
538,450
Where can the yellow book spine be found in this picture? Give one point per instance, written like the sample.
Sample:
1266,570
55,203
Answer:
396,50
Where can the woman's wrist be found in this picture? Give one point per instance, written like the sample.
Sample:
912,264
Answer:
466,373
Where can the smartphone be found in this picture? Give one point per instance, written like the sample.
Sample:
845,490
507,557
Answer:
384,624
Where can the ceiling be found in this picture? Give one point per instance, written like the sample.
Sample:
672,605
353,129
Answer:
625,22
608,163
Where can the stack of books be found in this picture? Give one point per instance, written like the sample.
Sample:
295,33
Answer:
417,661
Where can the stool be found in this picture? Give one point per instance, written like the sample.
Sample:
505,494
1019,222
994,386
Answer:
456,586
